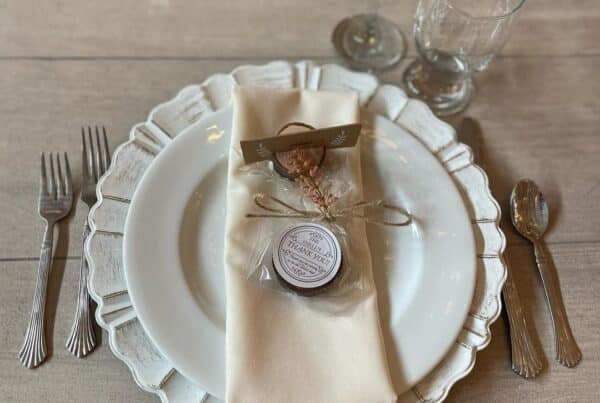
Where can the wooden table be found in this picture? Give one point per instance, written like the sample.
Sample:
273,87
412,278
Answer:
64,64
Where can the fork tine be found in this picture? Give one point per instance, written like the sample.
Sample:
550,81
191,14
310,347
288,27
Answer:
52,189
106,150
60,190
68,184
84,157
99,160
90,155
44,178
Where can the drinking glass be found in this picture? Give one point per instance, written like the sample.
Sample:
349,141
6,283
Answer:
369,41
455,39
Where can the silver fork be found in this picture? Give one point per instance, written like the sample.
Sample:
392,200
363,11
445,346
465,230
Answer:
55,202
95,161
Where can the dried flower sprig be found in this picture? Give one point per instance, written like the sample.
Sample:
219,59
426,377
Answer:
305,168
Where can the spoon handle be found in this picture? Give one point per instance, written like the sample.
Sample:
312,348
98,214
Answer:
567,351
526,359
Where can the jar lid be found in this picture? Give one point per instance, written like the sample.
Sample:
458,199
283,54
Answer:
307,256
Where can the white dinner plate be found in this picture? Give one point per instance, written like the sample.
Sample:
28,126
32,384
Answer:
173,251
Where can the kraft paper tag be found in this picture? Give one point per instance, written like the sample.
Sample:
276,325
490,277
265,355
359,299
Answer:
329,137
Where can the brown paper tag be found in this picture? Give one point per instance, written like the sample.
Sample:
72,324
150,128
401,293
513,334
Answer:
329,137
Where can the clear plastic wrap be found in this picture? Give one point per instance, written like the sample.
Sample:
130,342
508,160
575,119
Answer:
291,202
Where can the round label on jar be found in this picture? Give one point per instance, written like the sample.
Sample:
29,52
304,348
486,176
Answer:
307,255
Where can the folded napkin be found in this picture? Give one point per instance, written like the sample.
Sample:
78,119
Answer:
277,349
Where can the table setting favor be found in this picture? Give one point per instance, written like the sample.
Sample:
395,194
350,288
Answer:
302,232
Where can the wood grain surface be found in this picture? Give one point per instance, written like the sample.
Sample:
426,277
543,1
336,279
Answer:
64,64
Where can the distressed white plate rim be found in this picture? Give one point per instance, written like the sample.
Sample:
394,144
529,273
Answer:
104,248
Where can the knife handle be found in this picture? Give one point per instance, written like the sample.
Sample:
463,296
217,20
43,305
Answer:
567,351
526,357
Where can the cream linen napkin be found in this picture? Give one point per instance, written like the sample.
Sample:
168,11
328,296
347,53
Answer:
279,350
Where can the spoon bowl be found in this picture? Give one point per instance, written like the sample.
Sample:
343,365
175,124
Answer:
529,210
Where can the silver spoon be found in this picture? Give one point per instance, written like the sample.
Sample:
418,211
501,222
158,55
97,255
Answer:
529,213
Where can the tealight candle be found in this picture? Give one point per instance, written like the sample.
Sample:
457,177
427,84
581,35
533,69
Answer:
307,257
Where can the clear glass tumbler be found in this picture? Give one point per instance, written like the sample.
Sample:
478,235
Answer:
455,38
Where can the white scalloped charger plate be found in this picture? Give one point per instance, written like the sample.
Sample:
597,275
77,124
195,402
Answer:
128,339
173,251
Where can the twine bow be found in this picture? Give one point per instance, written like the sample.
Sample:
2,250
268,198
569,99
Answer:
277,208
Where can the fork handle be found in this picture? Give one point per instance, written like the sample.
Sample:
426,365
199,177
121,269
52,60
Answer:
526,359
33,352
82,340
567,351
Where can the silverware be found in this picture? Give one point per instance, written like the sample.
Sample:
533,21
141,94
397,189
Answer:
526,357
55,202
95,161
529,213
